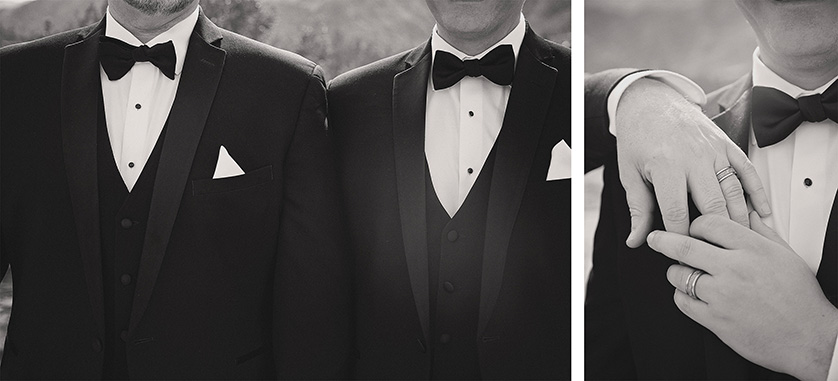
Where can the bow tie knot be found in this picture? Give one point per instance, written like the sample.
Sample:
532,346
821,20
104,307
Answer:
497,66
118,57
472,68
775,115
140,54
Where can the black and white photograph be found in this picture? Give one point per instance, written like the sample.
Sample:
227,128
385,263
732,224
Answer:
285,189
711,138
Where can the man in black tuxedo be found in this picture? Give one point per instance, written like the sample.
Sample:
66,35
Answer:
173,217
455,176
763,295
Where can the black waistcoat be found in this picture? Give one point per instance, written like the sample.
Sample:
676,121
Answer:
122,217
455,260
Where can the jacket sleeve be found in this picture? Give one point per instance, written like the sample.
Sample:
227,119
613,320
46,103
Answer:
312,294
599,143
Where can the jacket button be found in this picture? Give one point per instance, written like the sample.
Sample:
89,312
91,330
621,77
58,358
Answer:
444,338
452,236
97,345
448,287
125,279
126,223
124,336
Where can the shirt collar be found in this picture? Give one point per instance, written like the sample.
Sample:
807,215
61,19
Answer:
514,38
179,34
765,77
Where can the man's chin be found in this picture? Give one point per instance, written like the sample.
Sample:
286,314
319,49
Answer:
159,7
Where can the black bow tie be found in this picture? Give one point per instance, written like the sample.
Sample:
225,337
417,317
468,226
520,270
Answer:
497,66
118,57
775,115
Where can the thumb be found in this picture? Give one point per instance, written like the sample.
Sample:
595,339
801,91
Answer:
764,230
641,203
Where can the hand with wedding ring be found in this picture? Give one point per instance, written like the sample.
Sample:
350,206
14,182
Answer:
666,148
754,292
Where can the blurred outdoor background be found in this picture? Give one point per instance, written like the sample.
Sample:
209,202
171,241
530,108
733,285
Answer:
338,34
706,40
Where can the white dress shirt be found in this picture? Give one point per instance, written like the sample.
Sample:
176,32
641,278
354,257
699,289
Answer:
462,123
138,104
799,212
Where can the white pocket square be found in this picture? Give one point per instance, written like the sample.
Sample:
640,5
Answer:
559,162
226,166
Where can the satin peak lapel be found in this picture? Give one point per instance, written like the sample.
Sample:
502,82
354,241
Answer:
526,111
409,98
80,93
735,116
201,74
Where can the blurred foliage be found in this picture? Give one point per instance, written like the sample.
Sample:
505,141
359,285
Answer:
706,40
337,34
245,17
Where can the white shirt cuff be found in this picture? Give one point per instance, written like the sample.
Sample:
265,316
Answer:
832,375
680,83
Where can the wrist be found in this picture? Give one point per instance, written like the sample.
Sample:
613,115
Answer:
813,360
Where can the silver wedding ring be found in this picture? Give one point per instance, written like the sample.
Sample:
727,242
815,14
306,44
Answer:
691,281
725,173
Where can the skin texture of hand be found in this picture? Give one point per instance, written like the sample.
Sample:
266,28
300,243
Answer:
666,148
758,296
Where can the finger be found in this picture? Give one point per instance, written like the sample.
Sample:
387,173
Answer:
694,309
641,203
696,253
671,193
737,207
705,192
723,232
678,276
749,179
764,230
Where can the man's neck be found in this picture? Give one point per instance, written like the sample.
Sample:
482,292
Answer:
144,26
474,45
808,73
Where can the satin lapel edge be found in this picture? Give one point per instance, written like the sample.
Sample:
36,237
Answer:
80,92
409,100
735,120
201,72
526,112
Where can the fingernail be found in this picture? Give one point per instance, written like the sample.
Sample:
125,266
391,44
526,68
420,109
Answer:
651,236
766,207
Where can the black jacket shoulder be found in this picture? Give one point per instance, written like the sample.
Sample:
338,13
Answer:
377,74
241,49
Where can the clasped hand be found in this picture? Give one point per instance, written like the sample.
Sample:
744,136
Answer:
667,147
758,295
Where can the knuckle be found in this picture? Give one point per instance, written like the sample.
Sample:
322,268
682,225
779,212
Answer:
685,247
635,210
716,205
676,213
732,189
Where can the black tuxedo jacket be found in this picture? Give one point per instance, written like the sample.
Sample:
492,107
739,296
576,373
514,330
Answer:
244,277
633,329
377,114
